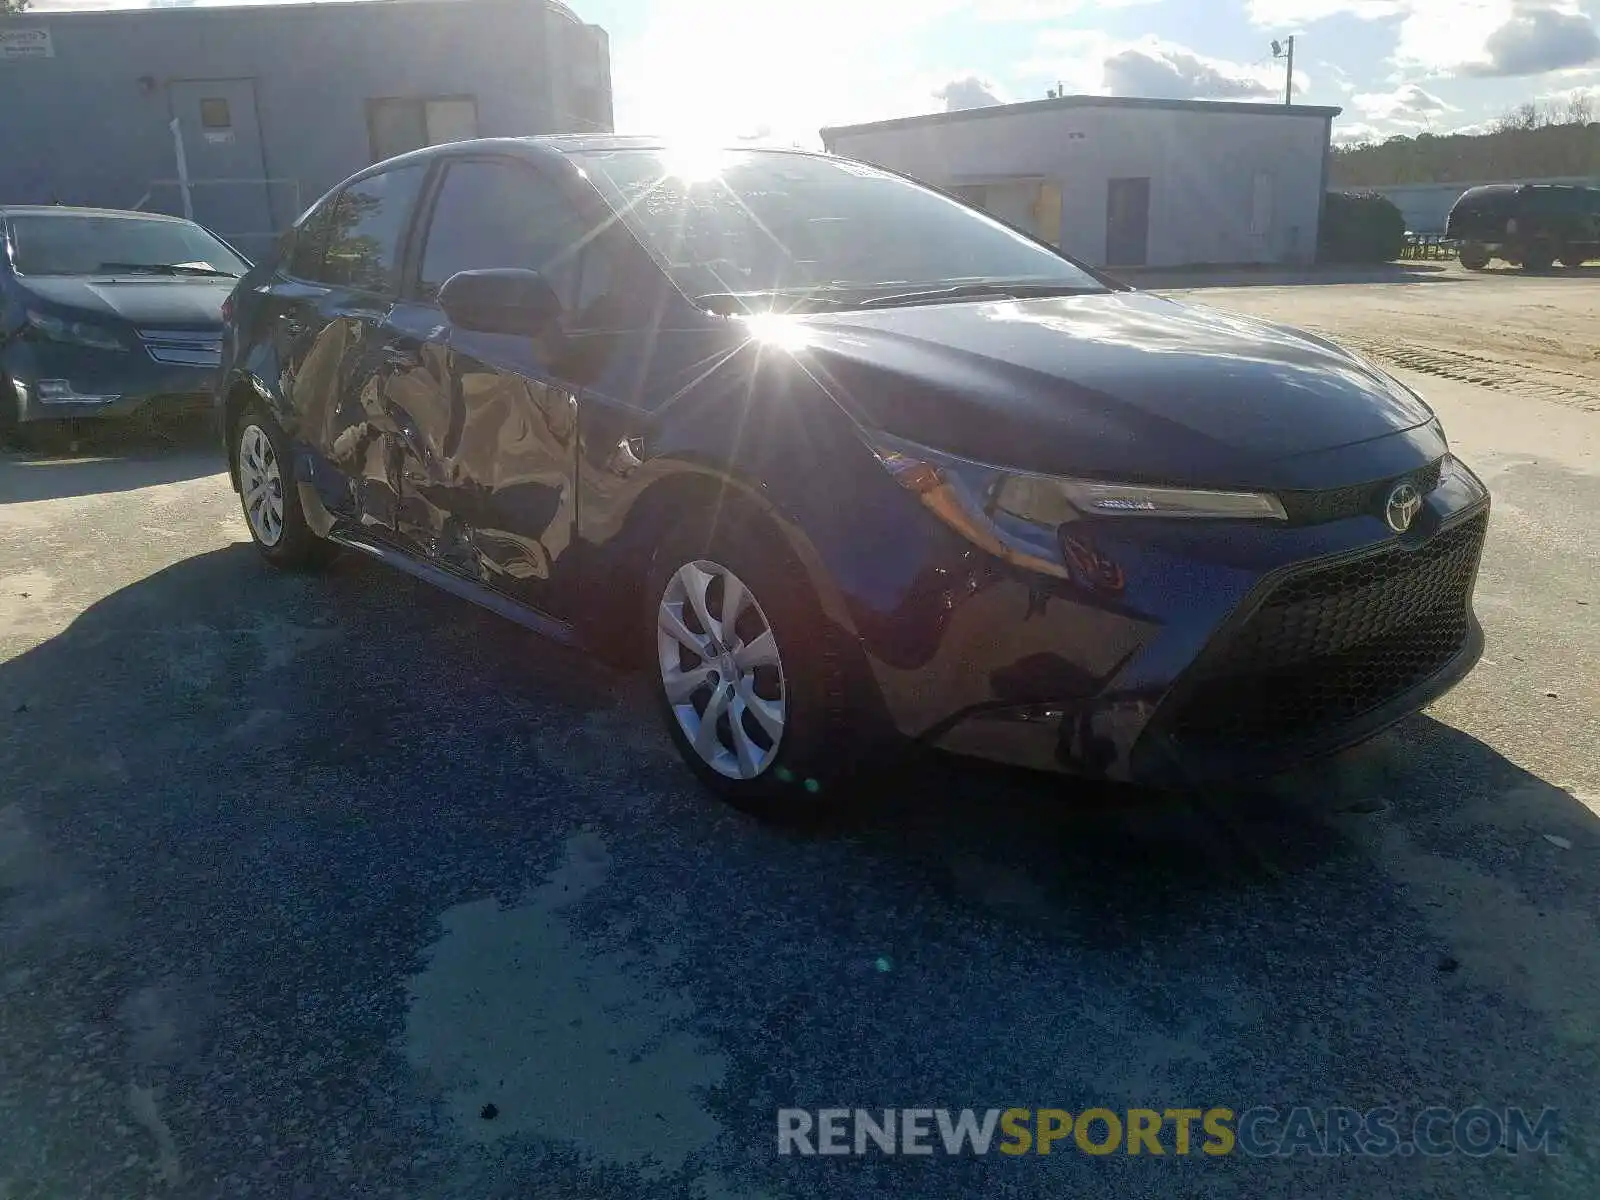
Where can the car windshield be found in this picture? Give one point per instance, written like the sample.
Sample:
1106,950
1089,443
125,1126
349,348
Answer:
753,222
81,244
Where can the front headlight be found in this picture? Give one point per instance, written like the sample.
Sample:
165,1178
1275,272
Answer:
1055,500
1023,518
75,333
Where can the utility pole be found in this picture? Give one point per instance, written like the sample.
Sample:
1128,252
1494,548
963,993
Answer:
1286,50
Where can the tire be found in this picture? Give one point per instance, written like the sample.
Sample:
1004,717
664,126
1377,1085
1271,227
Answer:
1541,256
1474,256
793,770
1572,260
268,496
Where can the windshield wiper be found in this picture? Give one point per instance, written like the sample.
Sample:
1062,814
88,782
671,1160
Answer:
733,304
164,269
961,291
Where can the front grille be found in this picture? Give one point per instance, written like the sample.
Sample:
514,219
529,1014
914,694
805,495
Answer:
183,347
1336,642
1336,504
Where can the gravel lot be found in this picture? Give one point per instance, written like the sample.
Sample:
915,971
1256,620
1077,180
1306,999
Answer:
1527,335
337,887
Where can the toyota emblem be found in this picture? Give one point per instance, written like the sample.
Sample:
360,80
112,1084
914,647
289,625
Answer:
1402,507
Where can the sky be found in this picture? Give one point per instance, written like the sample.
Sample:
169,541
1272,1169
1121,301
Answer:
779,70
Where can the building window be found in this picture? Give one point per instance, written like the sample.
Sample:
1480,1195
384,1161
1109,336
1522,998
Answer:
403,123
214,113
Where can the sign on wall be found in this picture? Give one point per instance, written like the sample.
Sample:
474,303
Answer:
26,43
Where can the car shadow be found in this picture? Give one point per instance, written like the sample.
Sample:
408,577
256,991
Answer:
1503,269
98,458
273,788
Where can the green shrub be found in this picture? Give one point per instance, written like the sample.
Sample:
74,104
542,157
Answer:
1361,227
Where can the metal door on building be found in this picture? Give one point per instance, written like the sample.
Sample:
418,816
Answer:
1127,222
228,187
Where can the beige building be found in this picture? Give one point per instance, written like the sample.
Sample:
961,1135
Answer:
1123,181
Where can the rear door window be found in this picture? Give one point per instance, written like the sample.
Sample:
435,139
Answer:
366,231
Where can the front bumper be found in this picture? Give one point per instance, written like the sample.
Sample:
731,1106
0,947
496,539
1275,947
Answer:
1221,653
82,383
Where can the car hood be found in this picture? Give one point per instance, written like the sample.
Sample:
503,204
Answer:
139,300
1125,384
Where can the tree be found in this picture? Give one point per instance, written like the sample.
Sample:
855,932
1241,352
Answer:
1578,110
12,6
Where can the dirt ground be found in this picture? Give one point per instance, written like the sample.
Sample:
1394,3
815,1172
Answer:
1530,335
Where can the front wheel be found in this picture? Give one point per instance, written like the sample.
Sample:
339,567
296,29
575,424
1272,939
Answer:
1474,256
1540,257
268,495
747,674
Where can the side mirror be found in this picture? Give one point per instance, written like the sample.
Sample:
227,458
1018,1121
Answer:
505,300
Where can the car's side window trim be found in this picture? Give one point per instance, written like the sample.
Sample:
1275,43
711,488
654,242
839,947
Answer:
412,290
403,238
314,220
416,233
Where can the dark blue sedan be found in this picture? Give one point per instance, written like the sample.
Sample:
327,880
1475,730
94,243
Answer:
845,462
105,313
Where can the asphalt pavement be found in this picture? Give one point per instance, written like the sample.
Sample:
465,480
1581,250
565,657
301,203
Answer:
332,886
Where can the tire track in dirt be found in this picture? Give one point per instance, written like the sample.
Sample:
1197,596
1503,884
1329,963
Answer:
1540,383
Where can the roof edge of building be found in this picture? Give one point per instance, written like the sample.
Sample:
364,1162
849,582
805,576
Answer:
1066,102
166,11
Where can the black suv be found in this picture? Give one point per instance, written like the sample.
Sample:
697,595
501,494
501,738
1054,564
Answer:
1531,225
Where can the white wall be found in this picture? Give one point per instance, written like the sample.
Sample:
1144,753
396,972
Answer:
1202,167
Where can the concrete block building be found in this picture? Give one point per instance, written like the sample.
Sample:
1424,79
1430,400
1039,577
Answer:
262,108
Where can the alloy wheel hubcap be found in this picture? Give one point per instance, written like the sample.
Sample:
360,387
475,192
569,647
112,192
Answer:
721,670
260,485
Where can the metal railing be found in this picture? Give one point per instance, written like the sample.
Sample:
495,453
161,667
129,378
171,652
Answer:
1427,247
178,198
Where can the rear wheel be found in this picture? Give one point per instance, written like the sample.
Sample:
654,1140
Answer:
1474,256
1541,256
747,673
268,495
1573,259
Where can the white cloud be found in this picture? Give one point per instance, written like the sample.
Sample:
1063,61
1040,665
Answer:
1584,91
1281,14
1463,37
1407,105
1341,77
968,91
1356,133
1173,72
1090,62
1538,39
1026,11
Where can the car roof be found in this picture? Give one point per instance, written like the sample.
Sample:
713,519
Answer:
550,146
69,210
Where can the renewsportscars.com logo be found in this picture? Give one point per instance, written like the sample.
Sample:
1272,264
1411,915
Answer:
1260,1132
